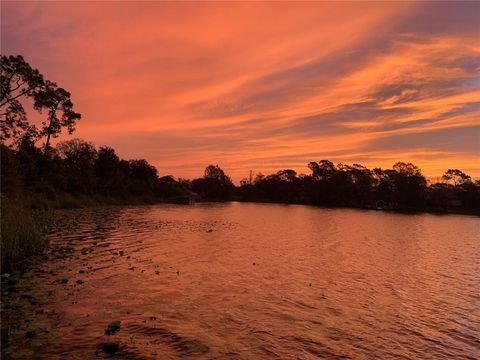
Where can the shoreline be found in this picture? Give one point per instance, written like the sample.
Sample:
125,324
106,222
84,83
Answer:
82,201
24,234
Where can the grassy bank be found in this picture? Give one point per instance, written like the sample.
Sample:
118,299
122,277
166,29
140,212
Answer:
23,234
25,220
62,200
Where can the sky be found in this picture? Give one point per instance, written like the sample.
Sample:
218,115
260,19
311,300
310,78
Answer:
263,86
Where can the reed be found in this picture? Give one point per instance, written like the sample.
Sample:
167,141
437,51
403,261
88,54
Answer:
22,235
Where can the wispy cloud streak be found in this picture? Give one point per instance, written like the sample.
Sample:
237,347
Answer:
264,85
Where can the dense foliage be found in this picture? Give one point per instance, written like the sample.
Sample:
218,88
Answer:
19,81
76,167
403,188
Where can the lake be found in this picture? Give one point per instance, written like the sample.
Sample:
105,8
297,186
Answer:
253,281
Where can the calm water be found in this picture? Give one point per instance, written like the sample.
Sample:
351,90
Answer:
254,281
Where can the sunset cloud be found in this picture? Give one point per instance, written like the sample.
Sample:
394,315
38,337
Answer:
263,86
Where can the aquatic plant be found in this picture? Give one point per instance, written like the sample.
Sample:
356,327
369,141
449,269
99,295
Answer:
113,327
22,234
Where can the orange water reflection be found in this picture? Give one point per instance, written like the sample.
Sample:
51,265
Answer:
269,281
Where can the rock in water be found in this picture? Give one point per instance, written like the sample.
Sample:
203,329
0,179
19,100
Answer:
110,348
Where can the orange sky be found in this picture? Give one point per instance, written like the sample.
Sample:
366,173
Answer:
263,86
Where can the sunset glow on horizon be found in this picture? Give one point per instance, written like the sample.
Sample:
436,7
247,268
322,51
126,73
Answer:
263,86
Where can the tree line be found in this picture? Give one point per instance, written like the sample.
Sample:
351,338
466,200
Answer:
402,188
77,168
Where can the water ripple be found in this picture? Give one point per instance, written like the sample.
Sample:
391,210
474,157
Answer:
237,281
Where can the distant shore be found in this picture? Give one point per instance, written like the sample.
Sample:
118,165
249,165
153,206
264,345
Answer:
71,201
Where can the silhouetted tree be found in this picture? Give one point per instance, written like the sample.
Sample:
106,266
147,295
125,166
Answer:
11,183
60,111
384,188
18,80
79,158
322,170
351,185
142,176
215,184
29,160
458,177
284,186
110,179
440,195
287,175
409,184
468,192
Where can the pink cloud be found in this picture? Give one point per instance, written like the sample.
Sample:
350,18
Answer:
249,85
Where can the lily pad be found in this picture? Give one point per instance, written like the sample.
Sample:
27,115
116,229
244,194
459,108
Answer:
29,298
113,327
195,346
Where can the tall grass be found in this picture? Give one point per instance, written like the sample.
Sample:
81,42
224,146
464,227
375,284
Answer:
22,235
